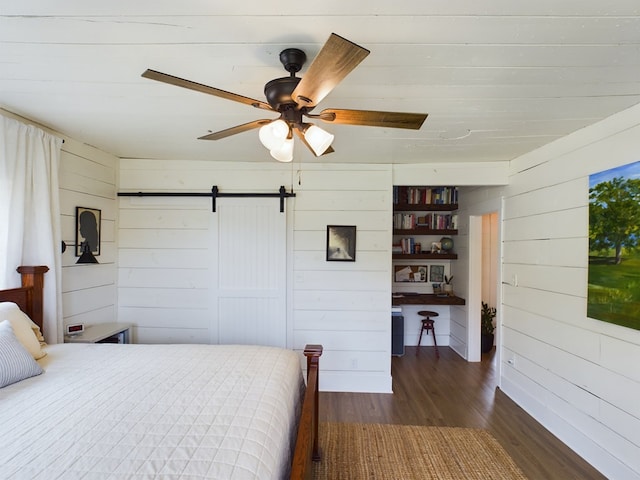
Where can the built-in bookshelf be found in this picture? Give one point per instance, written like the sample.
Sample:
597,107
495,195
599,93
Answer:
421,216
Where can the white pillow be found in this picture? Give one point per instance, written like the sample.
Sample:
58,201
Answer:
16,363
23,328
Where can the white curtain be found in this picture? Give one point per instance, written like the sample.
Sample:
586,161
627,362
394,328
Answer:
30,213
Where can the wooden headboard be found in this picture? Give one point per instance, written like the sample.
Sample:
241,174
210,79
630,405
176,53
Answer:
29,297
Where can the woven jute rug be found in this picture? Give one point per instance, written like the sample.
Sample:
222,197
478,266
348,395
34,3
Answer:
353,451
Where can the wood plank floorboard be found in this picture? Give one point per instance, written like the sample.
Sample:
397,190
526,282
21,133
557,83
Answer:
455,393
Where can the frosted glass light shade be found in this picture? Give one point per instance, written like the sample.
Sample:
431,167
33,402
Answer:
285,152
272,135
318,139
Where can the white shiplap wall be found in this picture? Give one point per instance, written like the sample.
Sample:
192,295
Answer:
577,376
165,259
345,305
87,178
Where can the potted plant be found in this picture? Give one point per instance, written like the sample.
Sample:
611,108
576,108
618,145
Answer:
486,327
448,286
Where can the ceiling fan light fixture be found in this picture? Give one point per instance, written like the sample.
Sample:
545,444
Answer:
294,97
285,152
318,139
273,134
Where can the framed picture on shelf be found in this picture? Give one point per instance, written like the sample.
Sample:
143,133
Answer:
410,273
341,243
88,229
436,274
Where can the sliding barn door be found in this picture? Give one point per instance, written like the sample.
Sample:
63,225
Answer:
250,284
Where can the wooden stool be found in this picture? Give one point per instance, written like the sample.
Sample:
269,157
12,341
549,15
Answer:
428,324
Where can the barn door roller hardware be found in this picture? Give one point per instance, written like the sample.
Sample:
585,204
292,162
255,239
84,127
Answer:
214,193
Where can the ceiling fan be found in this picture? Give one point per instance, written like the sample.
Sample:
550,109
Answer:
294,98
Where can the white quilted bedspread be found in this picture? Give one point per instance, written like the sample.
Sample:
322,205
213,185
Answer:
153,412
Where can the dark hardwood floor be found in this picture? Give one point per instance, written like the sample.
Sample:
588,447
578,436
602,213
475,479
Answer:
452,392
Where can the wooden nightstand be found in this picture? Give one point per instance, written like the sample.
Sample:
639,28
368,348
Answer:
102,333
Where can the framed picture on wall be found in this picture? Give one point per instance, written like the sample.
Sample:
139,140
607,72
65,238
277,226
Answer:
88,229
436,274
613,257
410,273
341,243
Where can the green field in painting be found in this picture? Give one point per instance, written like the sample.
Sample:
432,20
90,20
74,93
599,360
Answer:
614,290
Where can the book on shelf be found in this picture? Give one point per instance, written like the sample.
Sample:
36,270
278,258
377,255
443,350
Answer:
404,221
432,220
408,246
422,221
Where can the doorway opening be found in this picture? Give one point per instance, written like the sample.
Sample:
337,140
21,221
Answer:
484,278
490,264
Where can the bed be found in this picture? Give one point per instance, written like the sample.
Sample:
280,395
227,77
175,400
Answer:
155,411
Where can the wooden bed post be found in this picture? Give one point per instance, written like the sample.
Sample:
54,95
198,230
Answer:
313,352
307,447
33,279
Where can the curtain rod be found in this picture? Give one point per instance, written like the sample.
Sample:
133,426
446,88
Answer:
214,193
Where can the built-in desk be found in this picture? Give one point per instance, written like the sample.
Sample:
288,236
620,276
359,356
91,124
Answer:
425,299
409,305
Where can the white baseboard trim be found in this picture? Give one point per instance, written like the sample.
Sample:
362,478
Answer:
357,382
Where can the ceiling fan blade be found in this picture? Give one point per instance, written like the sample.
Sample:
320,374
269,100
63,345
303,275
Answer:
304,140
199,87
234,130
337,58
372,118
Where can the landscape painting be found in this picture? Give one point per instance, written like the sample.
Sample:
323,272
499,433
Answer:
614,246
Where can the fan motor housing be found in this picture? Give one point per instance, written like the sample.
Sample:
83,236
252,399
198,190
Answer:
278,91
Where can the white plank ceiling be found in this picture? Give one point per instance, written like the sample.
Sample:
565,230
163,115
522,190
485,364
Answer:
498,77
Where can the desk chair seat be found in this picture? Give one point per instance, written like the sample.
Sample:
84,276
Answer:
428,325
